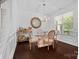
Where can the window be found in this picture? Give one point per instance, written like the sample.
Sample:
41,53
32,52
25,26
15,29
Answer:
64,23
58,20
68,24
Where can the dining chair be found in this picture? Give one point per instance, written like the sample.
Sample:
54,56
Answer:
51,38
47,40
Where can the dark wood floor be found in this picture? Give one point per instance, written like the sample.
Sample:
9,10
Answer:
61,51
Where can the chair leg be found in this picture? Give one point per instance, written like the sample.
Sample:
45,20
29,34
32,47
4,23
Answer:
48,47
53,45
30,45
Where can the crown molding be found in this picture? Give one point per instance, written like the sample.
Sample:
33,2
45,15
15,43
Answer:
2,1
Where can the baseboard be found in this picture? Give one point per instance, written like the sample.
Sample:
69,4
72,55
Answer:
67,43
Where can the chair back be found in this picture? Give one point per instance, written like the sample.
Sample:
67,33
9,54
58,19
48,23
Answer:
51,34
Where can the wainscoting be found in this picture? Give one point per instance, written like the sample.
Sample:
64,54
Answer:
7,46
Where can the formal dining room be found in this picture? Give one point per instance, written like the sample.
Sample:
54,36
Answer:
38,29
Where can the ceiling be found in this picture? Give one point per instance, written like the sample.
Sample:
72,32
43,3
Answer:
37,5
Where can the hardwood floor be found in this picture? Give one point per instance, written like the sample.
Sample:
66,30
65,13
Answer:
61,51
